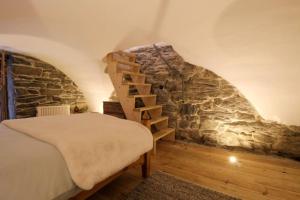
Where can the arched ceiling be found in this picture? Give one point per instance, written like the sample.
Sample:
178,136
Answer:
251,43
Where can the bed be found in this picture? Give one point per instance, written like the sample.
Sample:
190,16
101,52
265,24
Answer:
63,157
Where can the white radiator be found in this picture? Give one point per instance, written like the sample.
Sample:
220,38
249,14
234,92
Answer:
53,110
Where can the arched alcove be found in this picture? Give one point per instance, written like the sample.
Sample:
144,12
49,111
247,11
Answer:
33,82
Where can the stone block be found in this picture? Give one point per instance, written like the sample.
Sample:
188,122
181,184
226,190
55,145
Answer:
170,107
209,125
29,112
51,92
70,87
54,85
26,70
228,139
44,66
26,83
30,99
20,60
20,106
188,109
21,91
56,75
183,124
31,91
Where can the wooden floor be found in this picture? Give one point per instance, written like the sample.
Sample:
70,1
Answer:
255,177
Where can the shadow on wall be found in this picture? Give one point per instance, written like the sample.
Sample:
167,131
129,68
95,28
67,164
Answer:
254,27
27,14
141,36
204,108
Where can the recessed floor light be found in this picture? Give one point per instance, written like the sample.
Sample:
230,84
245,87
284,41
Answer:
232,159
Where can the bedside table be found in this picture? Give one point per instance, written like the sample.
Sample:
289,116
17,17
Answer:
113,108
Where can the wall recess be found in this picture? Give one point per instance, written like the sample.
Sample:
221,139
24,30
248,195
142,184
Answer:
36,83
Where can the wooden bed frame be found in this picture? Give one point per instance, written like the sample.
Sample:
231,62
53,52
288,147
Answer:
143,161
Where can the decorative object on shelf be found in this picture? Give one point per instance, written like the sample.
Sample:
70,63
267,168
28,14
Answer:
76,109
146,115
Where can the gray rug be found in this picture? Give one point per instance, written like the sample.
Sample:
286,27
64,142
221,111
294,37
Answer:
162,186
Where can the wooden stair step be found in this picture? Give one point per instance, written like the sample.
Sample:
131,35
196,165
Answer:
132,73
132,55
148,108
128,63
162,133
142,96
119,55
157,120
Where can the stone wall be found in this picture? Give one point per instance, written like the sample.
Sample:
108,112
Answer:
36,83
206,109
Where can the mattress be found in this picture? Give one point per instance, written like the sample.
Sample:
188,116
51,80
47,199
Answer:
36,170
31,169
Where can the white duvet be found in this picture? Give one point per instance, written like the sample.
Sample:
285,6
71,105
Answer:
94,146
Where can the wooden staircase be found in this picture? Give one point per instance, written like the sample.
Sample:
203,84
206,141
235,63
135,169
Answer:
135,95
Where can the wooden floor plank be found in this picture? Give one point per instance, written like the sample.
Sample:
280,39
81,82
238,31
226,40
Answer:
244,167
254,177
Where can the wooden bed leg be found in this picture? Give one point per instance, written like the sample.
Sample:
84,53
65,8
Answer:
154,148
146,165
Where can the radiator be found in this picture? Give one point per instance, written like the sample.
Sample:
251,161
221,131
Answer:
53,110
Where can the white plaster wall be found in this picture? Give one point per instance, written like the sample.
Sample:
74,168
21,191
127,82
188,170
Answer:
251,43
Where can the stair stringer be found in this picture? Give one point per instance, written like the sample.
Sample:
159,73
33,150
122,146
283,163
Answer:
127,103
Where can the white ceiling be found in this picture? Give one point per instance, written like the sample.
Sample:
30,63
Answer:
254,44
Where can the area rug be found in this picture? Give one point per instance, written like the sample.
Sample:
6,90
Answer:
163,186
